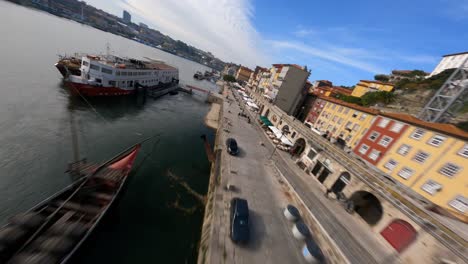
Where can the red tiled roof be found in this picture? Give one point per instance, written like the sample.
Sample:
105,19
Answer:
368,81
448,129
350,105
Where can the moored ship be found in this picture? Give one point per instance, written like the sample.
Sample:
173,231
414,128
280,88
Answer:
110,75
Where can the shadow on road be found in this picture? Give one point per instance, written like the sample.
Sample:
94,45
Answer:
257,231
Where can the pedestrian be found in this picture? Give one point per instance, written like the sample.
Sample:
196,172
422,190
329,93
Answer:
327,192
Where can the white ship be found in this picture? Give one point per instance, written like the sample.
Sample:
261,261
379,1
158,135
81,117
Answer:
109,75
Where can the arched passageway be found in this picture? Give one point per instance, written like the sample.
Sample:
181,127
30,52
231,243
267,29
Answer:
298,147
341,182
399,234
367,206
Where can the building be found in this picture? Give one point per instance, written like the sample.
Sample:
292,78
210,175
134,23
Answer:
315,111
343,122
365,86
230,69
382,134
450,61
431,159
243,74
253,80
127,18
287,86
143,25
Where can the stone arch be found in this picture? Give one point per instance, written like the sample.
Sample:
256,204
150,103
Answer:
293,134
285,129
299,147
341,182
366,205
399,234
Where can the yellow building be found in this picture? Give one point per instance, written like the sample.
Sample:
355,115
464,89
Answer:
431,159
345,122
370,86
243,74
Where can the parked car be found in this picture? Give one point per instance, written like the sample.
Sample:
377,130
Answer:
239,220
231,146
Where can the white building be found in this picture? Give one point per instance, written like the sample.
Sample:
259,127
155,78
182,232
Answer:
450,61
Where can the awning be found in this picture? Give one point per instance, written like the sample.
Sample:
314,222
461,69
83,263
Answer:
252,105
280,136
265,121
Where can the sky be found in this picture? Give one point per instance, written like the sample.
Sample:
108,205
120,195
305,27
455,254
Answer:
341,41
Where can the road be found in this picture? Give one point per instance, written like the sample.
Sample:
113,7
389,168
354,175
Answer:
272,240
359,245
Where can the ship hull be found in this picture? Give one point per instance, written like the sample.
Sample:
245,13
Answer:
92,90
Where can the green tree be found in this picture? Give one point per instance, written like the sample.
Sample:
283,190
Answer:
229,78
381,78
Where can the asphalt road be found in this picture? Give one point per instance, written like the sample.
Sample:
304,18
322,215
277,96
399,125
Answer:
250,172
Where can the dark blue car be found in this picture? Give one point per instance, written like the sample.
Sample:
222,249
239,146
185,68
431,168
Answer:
231,146
239,220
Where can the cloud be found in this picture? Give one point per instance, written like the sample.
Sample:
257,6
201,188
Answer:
304,32
331,54
222,27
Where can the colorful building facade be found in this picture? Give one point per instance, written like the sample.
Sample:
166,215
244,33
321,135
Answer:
365,86
432,160
345,122
243,74
379,138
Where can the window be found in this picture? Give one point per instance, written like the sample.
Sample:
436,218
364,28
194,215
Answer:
374,155
383,122
355,114
374,135
436,140
340,121
404,149
449,169
431,187
418,133
104,70
397,126
348,125
363,116
464,151
405,173
346,111
421,156
391,164
363,149
385,141
112,83
85,63
117,73
334,106
94,67
335,118
460,203
340,109
356,127
312,154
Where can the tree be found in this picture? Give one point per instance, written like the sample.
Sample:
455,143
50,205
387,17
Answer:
381,78
229,78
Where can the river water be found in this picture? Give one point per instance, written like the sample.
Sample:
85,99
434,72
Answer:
145,226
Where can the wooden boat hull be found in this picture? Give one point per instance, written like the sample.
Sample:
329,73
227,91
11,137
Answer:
96,192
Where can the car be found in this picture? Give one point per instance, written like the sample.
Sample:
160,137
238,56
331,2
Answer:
239,220
232,147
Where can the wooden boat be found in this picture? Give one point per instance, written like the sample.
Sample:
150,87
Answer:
52,231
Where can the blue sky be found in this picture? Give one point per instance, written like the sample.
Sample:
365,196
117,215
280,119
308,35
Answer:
342,41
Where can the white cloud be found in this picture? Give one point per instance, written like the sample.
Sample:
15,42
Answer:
304,32
337,55
223,27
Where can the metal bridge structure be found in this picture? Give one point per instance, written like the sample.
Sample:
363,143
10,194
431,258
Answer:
449,99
